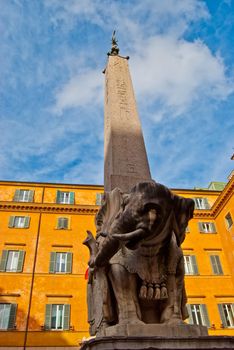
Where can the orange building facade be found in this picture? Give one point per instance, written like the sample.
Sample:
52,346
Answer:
43,262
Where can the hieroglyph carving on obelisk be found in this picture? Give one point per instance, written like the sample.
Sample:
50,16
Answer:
126,161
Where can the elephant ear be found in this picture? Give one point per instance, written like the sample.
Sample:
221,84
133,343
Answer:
112,205
183,212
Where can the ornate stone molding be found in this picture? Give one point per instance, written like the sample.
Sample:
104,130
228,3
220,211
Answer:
48,208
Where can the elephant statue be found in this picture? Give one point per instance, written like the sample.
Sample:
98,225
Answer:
136,267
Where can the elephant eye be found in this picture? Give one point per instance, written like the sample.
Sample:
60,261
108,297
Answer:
152,206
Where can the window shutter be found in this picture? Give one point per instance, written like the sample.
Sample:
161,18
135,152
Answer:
200,226
218,264
195,202
20,261
205,315
213,264
72,198
12,316
99,197
222,315
17,196
66,320
194,264
206,203
69,263
52,262
189,313
26,221
60,223
11,221
3,260
48,316
213,228
31,196
65,223
58,196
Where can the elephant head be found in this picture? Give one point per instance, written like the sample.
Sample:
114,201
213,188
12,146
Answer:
149,211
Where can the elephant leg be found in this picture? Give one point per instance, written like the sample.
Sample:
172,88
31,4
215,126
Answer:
168,304
172,311
125,290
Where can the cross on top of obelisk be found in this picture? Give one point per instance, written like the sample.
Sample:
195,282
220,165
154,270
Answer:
114,48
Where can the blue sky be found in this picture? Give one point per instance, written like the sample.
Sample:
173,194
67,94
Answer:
52,54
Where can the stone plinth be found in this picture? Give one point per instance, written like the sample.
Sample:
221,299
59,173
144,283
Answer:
159,330
155,343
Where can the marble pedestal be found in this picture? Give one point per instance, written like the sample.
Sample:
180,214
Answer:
156,343
156,336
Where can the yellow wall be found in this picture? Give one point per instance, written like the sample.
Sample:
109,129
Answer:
42,287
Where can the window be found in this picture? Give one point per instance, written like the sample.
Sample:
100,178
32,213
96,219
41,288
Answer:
201,203
226,312
7,316
198,314
12,260
216,265
190,265
57,316
62,223
23,196
229,221
99,198
65,197
60,262
207,227
19,221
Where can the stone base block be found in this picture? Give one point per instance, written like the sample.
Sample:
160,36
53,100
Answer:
156,343
159,330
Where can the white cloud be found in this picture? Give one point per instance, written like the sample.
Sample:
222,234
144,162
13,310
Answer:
177,73
166,68
81,90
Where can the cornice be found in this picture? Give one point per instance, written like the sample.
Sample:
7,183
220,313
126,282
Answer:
203,214
49,208
223,197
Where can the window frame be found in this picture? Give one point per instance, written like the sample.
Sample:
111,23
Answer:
61,259
227,221
63,223
53,262
207,227
11,317
216,264
12,260
225,314
19,221
65,319
61,197
199,314
5,258
201,203
24,195
190,265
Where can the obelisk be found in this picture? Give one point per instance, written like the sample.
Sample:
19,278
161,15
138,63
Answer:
125,162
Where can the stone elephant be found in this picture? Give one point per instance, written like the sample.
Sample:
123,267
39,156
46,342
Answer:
136,268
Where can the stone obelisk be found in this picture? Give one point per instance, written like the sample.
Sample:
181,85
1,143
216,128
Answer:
126,161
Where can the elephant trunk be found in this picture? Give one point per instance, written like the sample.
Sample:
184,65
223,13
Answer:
136,234
107,248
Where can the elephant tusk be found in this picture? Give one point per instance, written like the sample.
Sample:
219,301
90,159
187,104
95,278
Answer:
139,233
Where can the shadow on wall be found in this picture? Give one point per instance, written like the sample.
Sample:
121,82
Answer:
13,323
